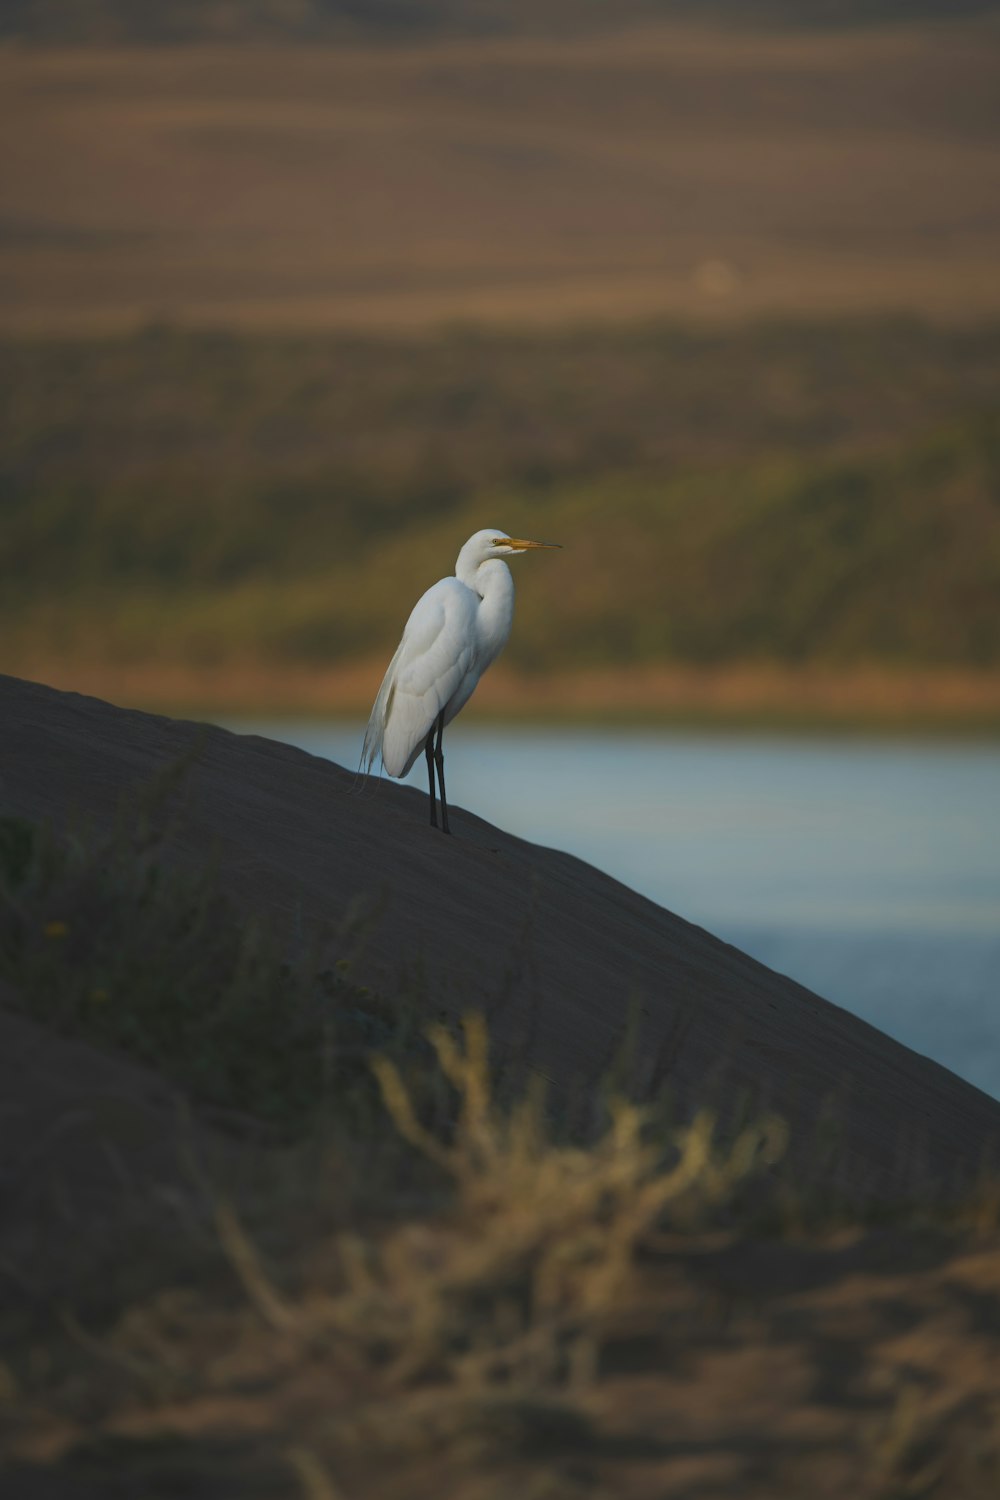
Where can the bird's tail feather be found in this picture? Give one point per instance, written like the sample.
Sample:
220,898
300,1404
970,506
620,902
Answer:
379,716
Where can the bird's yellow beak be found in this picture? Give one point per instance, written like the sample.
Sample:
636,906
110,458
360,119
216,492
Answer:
522,546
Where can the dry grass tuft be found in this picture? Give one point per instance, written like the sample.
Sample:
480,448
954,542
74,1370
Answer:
475,1329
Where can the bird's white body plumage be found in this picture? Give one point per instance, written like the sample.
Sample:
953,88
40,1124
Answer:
455,631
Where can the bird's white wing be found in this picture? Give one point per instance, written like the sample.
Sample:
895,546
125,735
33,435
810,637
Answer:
432,663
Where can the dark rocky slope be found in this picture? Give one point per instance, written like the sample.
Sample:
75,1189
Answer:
556,952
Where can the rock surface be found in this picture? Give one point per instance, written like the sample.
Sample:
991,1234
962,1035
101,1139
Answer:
559,954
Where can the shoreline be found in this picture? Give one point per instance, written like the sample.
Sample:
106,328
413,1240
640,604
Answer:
863,700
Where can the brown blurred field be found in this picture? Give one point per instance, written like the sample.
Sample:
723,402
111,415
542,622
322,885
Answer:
758,397
663,171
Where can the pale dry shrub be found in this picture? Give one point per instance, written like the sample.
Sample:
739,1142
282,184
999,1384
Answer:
468,1326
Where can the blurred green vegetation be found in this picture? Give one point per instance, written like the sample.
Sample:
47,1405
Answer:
789,493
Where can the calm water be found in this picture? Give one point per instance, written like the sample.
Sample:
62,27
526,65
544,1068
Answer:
868,870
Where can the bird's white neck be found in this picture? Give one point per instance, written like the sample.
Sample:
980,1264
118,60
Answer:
486,577
492,581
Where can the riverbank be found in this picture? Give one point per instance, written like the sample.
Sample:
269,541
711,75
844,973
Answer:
868,699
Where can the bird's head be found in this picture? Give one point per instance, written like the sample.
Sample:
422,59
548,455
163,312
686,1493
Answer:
494,543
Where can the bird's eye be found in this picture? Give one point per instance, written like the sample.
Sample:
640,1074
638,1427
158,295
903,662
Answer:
498,541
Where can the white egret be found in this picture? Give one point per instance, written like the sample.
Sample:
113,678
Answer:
455,631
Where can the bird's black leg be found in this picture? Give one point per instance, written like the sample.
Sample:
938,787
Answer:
439,762
429,752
